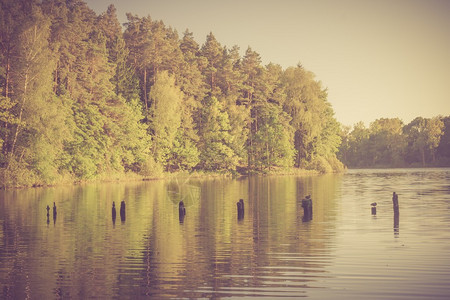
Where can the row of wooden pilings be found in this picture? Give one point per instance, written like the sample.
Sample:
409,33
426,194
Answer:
394,205
54,213
239,204
122,211
306,204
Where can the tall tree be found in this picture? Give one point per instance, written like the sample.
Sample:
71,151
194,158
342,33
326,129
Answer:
215,138
358,146
31,59
11,16
124,79
424,136
36,137
137,38
443,150
253,71
387,142
230,81
166,100
306,104
273,140
189,77
212,51
153,48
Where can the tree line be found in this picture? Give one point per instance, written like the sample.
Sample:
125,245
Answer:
83,96
391,143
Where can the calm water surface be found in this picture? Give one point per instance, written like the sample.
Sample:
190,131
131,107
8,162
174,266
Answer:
344,252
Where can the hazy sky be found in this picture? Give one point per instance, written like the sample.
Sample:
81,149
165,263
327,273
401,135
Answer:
377,58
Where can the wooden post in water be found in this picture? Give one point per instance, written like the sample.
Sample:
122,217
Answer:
113,212
240,209
181,211
395,203
54,213
122,211
307,209
48,214
396,224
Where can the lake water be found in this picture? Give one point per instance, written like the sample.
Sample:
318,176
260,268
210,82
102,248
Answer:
344,252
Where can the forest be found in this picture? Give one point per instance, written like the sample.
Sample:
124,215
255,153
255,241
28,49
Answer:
424,142
84,97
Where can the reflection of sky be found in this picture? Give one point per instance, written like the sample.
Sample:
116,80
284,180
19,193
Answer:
185,192
344,252
371,253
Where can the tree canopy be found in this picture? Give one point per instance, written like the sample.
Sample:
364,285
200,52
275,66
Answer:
82,96
390,143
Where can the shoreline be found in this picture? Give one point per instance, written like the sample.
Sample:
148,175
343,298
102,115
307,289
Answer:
133,177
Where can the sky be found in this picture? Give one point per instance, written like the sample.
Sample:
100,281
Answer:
377,59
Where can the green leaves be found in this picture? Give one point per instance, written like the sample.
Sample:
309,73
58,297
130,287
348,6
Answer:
215,138
81,99
273,140
390,143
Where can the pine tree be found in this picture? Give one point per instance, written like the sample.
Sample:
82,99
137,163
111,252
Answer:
124,79
212,51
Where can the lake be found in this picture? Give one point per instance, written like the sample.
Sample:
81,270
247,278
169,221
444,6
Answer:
344,252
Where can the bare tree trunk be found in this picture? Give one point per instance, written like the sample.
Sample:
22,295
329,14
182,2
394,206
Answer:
29,57
250,148
56,78
7,78
16,134
145,89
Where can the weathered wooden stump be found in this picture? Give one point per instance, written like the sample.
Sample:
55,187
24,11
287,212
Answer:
374,208
48,214
240,209
395,203
396,224
122,211
54,213
113,211
307,209
181,211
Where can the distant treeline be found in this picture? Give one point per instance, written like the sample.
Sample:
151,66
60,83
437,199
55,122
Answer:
83,97
390,143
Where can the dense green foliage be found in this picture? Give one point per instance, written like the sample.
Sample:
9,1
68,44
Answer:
83,97
390,143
